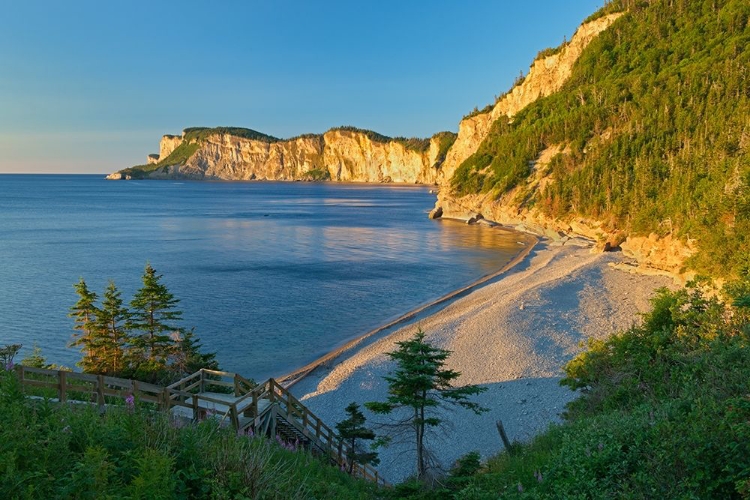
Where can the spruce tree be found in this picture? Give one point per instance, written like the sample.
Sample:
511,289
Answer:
187,357
153,311
420,385
353,430
85,313
111,332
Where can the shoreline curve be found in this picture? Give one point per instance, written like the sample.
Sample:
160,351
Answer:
291,378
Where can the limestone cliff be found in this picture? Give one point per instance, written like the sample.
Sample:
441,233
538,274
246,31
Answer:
168,144
545,76
344,154
228,157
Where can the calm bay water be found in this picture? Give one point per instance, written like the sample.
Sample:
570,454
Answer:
271,275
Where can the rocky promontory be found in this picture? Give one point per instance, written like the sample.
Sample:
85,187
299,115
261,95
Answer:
344,154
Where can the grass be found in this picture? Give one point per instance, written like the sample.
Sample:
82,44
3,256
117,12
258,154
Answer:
59,451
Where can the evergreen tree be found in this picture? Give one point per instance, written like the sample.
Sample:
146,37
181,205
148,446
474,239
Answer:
153,311
36,359
85,313
111,333
353,430
420,385
187,357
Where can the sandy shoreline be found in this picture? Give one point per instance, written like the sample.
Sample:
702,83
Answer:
512,336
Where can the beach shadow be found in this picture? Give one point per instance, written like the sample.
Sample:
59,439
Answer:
526,407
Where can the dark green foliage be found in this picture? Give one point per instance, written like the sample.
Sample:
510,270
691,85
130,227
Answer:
111,333
353,430
84,313
197,134
187,356
143,342
654,117
476,111
57,451
412,143
7,353
152,316
445,141
549,51
420,384
463,470
373,136
36,359
179,156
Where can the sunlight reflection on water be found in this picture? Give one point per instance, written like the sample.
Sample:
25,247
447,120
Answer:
271,275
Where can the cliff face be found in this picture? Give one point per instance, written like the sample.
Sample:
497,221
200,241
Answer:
338,155
168,144
354,157
546,76
228,157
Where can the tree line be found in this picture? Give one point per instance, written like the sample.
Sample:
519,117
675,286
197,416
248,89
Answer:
141,340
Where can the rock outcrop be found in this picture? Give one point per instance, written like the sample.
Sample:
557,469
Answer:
168,144
338,155
546,75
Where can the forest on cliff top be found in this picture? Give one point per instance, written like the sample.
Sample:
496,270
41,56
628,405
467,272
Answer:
654,125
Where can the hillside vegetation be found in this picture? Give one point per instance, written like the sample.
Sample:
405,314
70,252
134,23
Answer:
59,451
655,122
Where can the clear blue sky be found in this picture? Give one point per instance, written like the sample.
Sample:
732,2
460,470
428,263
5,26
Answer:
91,87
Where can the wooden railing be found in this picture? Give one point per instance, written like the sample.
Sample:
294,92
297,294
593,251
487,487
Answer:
283,404
83,387
248,406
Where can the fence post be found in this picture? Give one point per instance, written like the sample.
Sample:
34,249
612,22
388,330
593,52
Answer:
21,379
62,394
100,391
504,436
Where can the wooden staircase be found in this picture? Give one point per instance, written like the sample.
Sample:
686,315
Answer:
268,408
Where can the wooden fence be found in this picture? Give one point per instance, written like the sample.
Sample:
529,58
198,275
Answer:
261,408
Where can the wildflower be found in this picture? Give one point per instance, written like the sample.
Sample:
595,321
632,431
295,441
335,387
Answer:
9,365
520,488
538,476
130,401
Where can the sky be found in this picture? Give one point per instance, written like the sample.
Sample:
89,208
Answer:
90,87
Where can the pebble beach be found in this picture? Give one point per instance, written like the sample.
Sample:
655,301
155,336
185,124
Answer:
512,335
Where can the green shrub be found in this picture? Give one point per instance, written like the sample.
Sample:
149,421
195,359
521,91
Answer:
49,450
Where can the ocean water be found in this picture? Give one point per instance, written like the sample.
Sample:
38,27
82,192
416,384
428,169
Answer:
271,275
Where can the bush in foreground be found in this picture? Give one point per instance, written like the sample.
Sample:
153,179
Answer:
58,451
